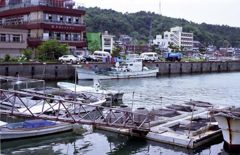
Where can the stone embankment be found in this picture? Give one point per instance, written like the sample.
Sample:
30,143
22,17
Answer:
55,71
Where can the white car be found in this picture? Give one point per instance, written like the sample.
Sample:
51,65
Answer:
68,58
149,56
100,55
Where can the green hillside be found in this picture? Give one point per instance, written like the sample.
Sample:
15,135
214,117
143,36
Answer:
137,25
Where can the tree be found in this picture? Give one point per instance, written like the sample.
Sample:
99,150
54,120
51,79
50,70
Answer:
27,53
93,46
202,49
51,50
226,43
116,51
173,47
137,26
7,58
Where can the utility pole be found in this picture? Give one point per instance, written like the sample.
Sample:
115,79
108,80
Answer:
150,34
160,8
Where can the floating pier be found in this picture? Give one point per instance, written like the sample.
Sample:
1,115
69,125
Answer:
188,125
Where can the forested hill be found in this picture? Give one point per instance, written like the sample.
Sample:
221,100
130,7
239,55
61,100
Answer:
138,25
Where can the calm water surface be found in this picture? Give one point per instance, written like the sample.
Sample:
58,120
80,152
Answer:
215,88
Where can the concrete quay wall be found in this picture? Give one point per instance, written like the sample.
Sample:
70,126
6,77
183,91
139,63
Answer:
195,67
66,71
38,71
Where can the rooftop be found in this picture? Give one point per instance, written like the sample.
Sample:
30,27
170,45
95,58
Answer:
67,4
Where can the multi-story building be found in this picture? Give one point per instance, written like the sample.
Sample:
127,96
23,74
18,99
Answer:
178,38
12,41
107,42
125,39
46,19
161,43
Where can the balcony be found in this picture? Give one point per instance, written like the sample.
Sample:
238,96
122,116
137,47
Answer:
46,26
34,42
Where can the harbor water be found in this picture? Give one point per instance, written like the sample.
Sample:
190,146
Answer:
222,88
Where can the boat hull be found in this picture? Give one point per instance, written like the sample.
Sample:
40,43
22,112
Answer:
230,129
8,134
90,75
112,95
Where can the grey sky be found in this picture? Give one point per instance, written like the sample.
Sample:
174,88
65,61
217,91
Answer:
222,12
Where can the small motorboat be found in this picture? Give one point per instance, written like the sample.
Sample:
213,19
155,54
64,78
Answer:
32,128
96,90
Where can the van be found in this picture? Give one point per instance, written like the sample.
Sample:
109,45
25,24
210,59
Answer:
149,56
101,55
132,56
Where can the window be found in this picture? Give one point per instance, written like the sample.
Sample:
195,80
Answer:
51,35
67,37
69,19
75,37
16,38
107,42
3,37
61,18
77,20
58,36
50,18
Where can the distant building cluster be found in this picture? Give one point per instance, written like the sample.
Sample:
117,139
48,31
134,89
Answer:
176,37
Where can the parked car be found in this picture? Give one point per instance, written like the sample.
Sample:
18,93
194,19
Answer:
100,55
89,58
68,58
149,56
81,58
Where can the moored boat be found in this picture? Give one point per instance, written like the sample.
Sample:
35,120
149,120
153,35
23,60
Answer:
129,69
96,90
229,122
32,128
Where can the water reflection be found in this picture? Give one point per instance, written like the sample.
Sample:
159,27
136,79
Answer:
101,142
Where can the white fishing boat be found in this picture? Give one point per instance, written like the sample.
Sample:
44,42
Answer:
229,122
32,128
96,90
37,109
129,69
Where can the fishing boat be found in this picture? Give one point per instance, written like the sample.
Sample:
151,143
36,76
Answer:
96,90
229,122
132,68
32,128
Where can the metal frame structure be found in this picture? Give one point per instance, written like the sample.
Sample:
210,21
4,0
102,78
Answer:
53,108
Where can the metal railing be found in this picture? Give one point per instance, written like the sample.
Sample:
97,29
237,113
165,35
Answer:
54,108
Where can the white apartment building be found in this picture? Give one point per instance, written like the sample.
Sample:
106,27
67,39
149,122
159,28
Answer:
161,43
107,42
179,38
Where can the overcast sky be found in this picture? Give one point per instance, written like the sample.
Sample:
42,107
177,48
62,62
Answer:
222,12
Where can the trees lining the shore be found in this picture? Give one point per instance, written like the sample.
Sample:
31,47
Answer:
138,26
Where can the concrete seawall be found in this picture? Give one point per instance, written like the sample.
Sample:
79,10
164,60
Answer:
196,67
66,71
39,71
